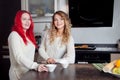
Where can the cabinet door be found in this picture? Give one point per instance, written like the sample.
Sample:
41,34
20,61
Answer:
92,57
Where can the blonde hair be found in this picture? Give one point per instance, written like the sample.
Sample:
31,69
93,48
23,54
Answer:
67,27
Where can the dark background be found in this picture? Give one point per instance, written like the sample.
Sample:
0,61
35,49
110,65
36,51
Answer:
8,9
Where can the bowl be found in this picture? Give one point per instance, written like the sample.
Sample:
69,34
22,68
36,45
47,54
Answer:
51,67
64,63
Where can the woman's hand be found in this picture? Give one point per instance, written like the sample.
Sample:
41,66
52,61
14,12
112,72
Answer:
51,61
42,68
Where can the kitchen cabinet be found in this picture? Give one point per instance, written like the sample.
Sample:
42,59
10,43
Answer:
39,8
92,57
43,8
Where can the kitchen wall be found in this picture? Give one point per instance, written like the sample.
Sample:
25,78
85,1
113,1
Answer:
105,35
98,35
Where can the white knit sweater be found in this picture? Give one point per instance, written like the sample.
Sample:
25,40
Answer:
56,50
21,56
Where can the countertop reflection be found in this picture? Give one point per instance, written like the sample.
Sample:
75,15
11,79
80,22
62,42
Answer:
73,72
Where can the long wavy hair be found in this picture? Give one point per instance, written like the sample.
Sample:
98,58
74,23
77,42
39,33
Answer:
19,29
67,27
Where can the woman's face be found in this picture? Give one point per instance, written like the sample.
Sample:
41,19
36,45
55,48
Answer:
25,19
58,22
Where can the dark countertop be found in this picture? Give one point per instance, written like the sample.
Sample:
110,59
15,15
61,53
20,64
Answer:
73,72
104,48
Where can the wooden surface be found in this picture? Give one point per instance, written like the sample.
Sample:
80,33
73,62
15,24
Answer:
73,72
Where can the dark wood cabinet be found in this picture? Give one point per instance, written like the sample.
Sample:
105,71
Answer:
92,57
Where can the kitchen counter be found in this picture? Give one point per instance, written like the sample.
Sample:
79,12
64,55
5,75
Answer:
102,49
110,48
73,72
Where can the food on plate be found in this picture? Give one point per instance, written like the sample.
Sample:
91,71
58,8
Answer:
108,67
116,70
84,46
112,68
117,63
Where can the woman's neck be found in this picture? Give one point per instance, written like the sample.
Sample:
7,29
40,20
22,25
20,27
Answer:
59,33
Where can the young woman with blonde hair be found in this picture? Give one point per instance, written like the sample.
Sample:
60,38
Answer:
57,43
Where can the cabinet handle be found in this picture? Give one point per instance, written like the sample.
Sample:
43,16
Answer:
6,56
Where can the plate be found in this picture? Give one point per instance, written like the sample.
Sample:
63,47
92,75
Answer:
117,75
108,69
99,66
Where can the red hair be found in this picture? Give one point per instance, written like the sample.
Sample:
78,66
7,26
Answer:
19,29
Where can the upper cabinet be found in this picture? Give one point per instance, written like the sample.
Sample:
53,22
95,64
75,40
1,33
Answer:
39,8
42,10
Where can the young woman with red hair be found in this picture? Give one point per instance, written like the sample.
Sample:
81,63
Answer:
22,46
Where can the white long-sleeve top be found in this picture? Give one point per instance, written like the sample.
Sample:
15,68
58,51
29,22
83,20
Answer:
56,50
21,56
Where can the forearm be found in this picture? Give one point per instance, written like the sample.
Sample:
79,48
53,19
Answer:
43,54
